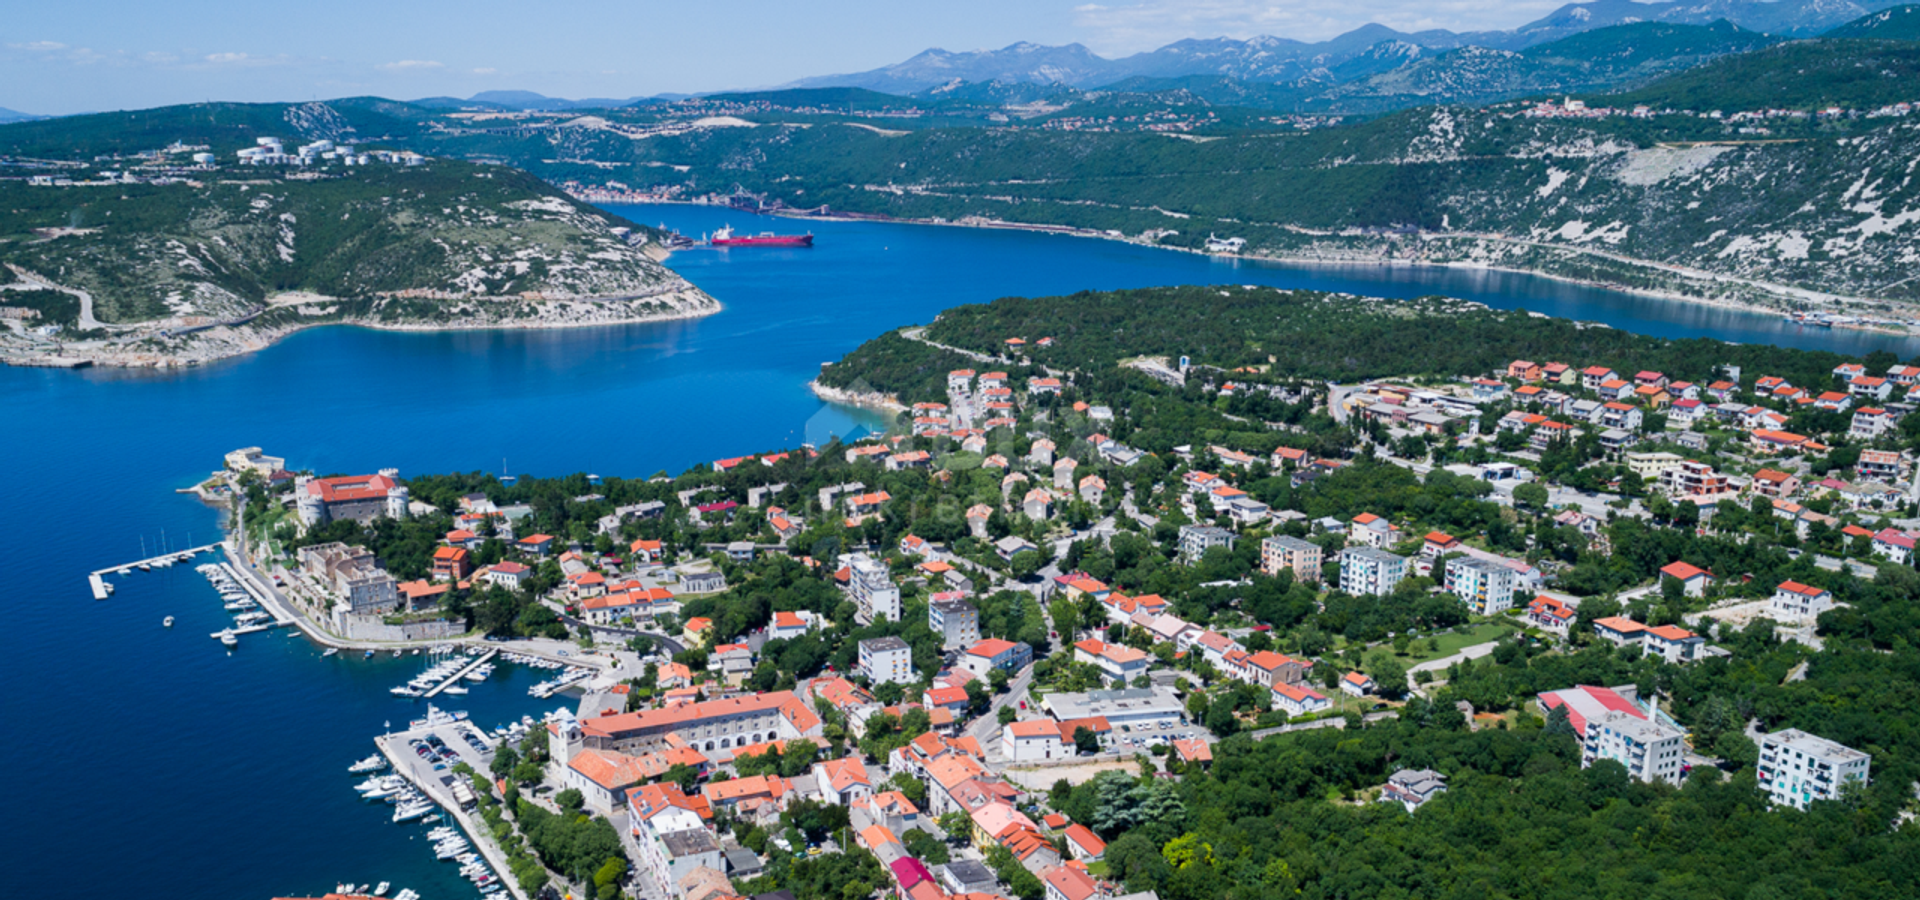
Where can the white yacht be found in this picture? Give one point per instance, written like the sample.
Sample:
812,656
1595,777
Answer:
405,692
166,622
228,640
380,890
372,763
456,689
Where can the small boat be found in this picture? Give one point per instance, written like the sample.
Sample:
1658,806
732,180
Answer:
380,890
331,651
228,640
430,819
372,763
368,656
166,622
456,689
407,894
405,692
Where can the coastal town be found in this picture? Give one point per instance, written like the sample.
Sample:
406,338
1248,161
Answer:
945,660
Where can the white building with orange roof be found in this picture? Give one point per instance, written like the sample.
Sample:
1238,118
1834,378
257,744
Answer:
841,782
714,727
787,626
1117,663
670,833
1032,740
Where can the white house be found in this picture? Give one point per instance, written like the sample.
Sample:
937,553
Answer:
1796,602
1033,739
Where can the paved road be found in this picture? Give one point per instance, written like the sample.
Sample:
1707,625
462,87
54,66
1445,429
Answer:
1440,665
985,728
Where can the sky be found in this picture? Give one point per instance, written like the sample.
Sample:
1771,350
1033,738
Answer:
89,55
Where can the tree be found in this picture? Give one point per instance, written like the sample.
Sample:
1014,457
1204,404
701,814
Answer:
503,762
978,696
999,680
1024,564
1530,494
570,800
1085,741
1007,715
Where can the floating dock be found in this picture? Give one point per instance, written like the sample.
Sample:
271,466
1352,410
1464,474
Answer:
99,585
455,679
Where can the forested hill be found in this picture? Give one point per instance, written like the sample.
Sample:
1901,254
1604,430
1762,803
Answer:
1293,334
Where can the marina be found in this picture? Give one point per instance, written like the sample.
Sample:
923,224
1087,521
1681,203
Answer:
102,588
421,759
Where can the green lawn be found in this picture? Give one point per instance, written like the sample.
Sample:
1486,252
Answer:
1452,642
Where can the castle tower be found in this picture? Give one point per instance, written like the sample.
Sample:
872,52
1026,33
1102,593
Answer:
312,510
397,501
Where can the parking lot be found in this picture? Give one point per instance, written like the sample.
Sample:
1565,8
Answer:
435,749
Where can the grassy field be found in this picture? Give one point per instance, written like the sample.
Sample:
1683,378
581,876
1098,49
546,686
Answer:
1453,642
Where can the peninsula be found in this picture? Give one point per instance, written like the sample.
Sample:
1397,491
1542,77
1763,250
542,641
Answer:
171,260
1114,585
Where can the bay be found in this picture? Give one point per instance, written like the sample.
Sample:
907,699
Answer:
149,760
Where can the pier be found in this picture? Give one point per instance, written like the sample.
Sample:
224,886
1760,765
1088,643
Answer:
455,678
439,788
99,585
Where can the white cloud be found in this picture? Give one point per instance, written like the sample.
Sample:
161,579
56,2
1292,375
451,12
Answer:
38,45
486,70
412,65
1148,24
226,58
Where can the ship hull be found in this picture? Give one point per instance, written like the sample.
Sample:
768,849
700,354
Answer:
783,240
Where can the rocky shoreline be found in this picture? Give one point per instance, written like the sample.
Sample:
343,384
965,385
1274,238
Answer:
867,400
1753,293
159,347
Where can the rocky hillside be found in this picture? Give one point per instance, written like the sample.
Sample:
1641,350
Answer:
196,252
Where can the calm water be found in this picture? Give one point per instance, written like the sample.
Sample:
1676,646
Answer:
149,761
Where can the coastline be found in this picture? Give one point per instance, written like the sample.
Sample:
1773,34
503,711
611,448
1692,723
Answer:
870,400
1673,272
223,342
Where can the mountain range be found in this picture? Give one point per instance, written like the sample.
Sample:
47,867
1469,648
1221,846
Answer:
1369,49
8,115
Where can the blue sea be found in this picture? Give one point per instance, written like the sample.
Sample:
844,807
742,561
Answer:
150,761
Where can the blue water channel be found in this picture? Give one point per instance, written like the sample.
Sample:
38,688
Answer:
144,760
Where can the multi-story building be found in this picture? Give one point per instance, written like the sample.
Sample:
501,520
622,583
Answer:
1034,739
1651,751
354,574
1797,768
1486,587
1612,724
1367,571
1196,540
714,727
361,498
1117,663
1693,479
993,653
1287,552
886,659
669,834
872,588
955,621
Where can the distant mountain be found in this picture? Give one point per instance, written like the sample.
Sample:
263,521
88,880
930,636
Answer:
1395,75
1901,23
524,100
837,98
8,115
1022,62
1358,53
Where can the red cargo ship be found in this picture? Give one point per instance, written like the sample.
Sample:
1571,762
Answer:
724,238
